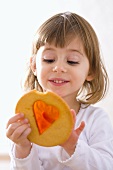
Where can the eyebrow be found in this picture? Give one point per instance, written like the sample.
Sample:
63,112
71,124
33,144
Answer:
74,50
70,50
48,48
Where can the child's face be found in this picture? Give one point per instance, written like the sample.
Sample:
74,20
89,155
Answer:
62,70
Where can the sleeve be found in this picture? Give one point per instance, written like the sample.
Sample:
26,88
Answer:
95,150
31,162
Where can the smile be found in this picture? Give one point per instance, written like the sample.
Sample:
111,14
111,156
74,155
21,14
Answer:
58,81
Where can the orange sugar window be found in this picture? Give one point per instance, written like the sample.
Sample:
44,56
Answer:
45,115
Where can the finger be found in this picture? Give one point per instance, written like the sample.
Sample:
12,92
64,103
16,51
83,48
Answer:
12,127
25,133
18,132
14,119
80,128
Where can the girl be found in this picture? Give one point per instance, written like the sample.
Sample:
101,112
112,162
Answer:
66,60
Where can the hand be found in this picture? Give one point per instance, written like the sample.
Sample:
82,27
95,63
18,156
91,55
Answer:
71,143
17,130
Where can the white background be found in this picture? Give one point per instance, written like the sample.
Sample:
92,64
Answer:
19,20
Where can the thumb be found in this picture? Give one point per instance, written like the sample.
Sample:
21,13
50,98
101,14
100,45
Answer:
80,128
74,115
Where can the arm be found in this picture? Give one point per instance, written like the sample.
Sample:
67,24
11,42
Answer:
94,150
23,156
70,145
88,158
31,162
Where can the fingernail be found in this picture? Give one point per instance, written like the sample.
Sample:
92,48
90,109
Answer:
21,114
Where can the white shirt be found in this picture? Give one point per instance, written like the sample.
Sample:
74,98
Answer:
94,150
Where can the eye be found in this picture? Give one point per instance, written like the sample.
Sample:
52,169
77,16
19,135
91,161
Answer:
72,62
48,60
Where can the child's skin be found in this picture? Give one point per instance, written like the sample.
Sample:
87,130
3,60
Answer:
63,71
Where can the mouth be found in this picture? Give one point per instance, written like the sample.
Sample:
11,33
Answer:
58,81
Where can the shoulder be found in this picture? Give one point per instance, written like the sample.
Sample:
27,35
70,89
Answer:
93,111
93,115
97,122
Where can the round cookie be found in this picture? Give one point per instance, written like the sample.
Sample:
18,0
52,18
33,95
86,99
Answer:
49,116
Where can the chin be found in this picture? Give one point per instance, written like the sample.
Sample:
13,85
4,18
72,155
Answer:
59,93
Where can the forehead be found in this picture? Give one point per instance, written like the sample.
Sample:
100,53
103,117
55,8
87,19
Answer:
73,46
74,43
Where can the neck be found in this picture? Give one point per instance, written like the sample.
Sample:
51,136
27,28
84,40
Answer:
72,103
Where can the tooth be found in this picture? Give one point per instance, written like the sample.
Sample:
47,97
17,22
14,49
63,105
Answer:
58,81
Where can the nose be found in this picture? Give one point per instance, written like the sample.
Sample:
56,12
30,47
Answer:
59,69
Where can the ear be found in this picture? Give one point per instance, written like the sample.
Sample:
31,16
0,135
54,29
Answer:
33,64
90,77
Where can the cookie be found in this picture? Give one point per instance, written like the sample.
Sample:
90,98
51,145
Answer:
49,116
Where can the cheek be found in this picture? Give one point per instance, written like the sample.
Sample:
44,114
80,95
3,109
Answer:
41,74
80,74
84,69
38,66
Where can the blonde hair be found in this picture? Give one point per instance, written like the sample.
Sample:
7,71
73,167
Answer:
60,29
